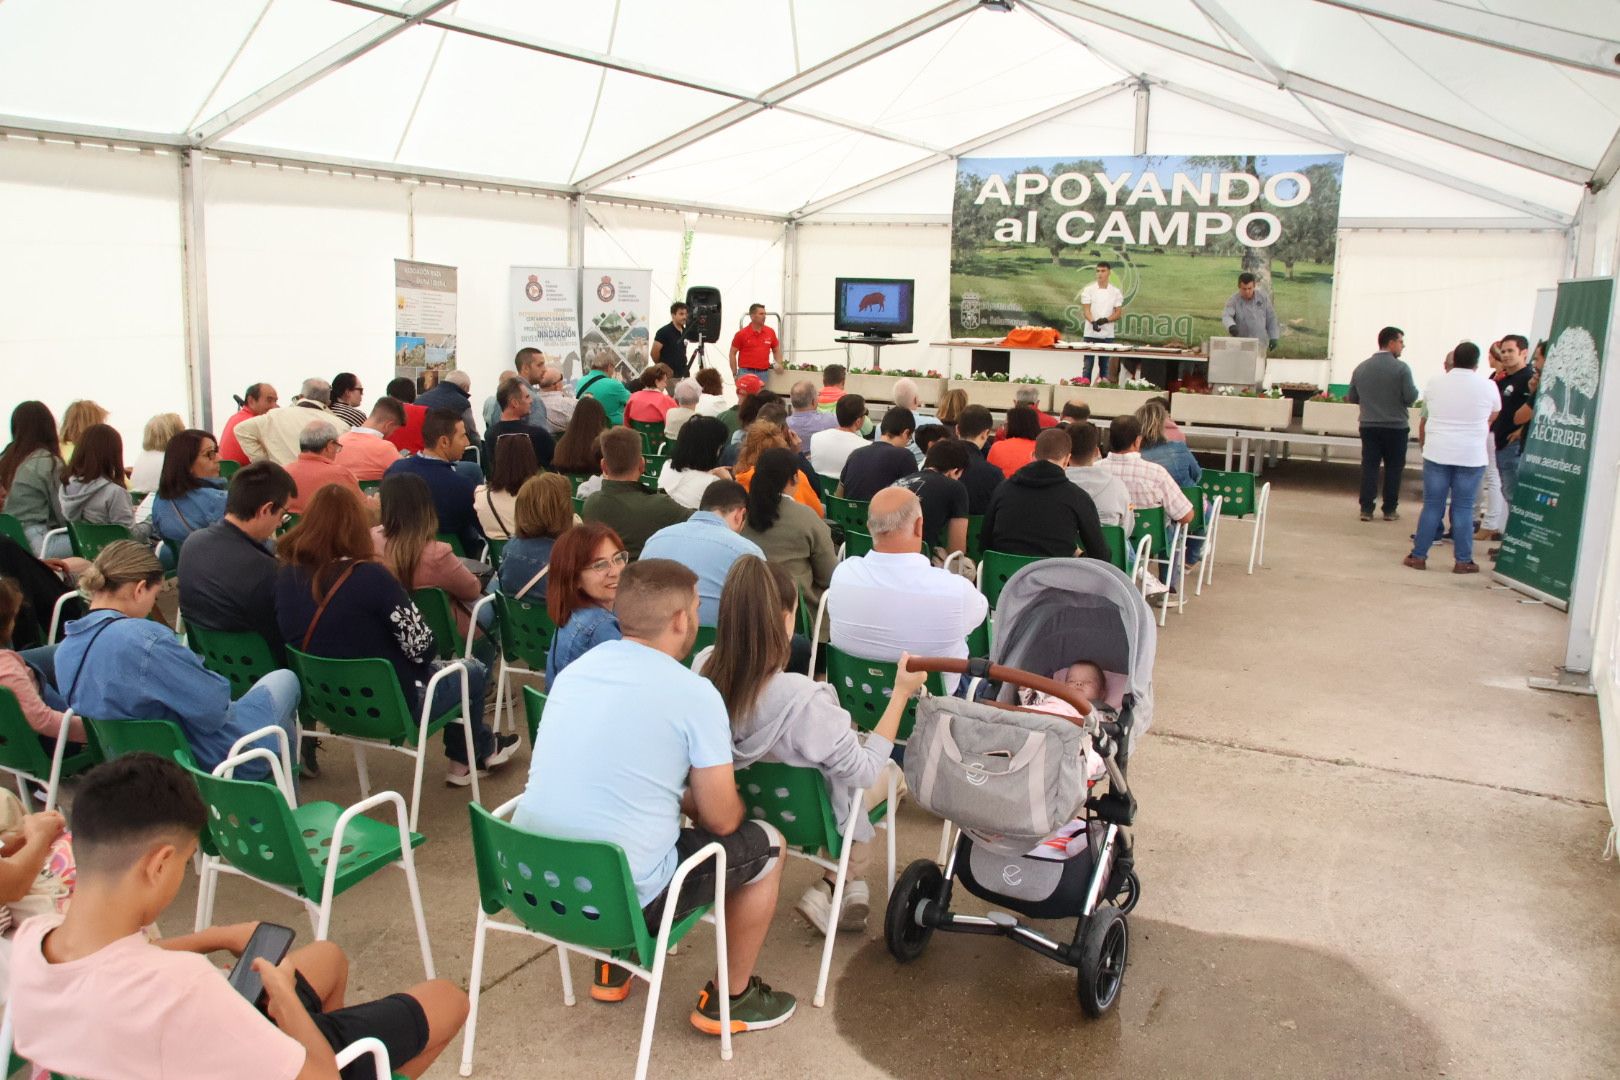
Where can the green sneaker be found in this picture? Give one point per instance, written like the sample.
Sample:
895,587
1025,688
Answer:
758,1007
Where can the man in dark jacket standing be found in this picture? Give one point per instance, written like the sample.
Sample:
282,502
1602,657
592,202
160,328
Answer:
1038,511
1382,385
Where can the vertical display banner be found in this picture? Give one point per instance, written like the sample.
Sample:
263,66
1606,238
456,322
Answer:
424,318
616,310
545,314
1027,235
1542,539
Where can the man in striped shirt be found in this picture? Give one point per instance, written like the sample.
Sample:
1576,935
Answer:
1148,484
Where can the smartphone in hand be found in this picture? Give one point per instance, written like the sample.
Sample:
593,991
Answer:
270,941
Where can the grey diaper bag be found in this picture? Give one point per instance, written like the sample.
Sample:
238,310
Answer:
1009,778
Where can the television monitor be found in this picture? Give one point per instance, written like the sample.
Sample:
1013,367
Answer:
873,307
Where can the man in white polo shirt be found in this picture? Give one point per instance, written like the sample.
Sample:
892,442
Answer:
1101,304
1460,406
894,600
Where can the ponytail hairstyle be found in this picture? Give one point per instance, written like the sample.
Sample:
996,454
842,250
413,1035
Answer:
774,473
121,563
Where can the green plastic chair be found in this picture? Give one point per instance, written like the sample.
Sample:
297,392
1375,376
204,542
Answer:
1164,548
828,486
22,752
241,656
494,549
974,550
1243,497
857,542
649,481
370,487
434,604
705,638
978,642
526,633
534,707
654,463
864,686
996,568
88,539
1201,527
579,505
1115,535
797,802
115,738
578,895
455,544
13,529
652,434
847,513
576,479
361,703
311,853
227,469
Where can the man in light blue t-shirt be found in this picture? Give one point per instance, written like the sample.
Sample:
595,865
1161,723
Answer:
631,740
707,543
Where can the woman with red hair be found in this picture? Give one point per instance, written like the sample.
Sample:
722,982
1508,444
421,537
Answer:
586,562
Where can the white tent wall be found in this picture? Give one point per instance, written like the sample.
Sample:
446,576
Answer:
92,281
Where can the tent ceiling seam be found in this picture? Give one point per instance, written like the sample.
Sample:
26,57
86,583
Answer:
596,105
226,70
427,77
1537,40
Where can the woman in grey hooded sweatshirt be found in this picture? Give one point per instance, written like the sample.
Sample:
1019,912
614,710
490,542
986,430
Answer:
93,488
777,715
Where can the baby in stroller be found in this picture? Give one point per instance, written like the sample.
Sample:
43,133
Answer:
1086,678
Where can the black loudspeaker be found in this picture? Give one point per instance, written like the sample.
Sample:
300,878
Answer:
703,314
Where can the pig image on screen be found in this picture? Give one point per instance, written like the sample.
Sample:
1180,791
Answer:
872,300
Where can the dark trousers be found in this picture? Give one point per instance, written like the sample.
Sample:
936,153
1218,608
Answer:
1382,446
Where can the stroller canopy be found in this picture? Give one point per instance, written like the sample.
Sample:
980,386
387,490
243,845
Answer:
1057,611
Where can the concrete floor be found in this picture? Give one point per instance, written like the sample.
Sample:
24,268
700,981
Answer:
1366,848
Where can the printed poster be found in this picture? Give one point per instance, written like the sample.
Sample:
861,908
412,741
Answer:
1027,235
1543,534
545,314
424,318
616,307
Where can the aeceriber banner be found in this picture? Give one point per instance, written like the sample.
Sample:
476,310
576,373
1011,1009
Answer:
1543,533
545,313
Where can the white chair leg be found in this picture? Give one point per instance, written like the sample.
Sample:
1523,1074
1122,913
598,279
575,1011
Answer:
22,789
407,862
1254,545
360,770
203,905
654,986
839,883
567,976
320,921
889,813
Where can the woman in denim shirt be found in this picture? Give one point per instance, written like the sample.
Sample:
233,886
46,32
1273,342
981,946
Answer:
543,512
117,664
585,565
1177,460
190,494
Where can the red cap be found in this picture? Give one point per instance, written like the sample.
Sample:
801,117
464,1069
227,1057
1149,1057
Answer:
749,384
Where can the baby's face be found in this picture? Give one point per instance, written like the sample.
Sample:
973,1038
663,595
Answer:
1086,680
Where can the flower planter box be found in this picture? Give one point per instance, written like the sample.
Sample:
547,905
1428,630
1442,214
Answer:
993,395
881,387
1332,418
1105,401
781,382
1227,410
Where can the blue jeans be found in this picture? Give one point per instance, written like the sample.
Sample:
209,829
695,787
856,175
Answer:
273,700
43,661
1461,484
448,694
60,548
1090,359
1507,465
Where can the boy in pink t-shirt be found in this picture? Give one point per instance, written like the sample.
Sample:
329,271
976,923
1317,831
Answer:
92,996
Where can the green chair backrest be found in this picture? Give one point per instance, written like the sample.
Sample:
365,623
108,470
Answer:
20,747
115,738
1236,490
534,707
227,469
1195,495
579,505
497,548
1150,523
254,830
806,624
863,688
652,434
526,631
11,527
705,638
455,544
361,698
434,604
1115,535
999,567
369,486
978,639
849,513
654,463
828,486
795,800
975,524
576,479
857,542
649,480
241,656
88,539
576,891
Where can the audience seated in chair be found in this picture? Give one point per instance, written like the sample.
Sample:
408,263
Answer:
1087,472
695,463
31,475
651,401
444,439
586,564
407,542
407,438
623,504
606,767
161,1008
334,598
365,450
554,402
93,490
713,402
190,494
118,664
872,468
30,675
275,434
517,405
317,466
707,543
1147,483
807,418
763,435
577,452
980,478
943,496
452,392
512,464
1014,449
789,533
1037,511
688,393
542,512
259,399
893,600
779,715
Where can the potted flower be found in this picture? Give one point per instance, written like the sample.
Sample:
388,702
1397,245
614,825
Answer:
1330,414
930,384
1233,407
1108,398
993,391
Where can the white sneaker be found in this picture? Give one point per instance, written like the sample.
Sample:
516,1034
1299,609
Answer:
816,905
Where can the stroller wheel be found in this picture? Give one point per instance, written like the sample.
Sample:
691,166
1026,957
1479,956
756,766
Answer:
1103,952
918,884
1130,891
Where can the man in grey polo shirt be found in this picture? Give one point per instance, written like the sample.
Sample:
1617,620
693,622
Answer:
1382,385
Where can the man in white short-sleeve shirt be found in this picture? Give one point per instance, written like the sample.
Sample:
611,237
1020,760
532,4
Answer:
1101,304
1459,407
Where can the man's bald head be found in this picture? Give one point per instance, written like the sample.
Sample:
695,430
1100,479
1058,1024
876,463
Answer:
894,517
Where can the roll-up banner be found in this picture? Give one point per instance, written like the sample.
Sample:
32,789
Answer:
424,318
545,314
1542,539
616,308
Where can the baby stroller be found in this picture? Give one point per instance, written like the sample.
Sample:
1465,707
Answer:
1005,777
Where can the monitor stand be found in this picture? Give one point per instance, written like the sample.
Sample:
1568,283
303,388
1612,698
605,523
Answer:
877,344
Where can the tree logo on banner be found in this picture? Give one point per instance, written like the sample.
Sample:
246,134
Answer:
605,291
1572,367
534,290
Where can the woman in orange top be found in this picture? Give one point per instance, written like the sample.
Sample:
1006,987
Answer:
763,435
1017,449
407,543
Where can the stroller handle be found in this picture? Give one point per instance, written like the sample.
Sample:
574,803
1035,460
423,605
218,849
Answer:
981,669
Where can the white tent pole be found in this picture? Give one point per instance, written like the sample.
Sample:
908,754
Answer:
1139,138
315,68
1607,165
194,272
790,290
1468,23
576,231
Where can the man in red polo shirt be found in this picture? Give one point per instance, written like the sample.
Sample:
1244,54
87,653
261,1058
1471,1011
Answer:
755,348
261,398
